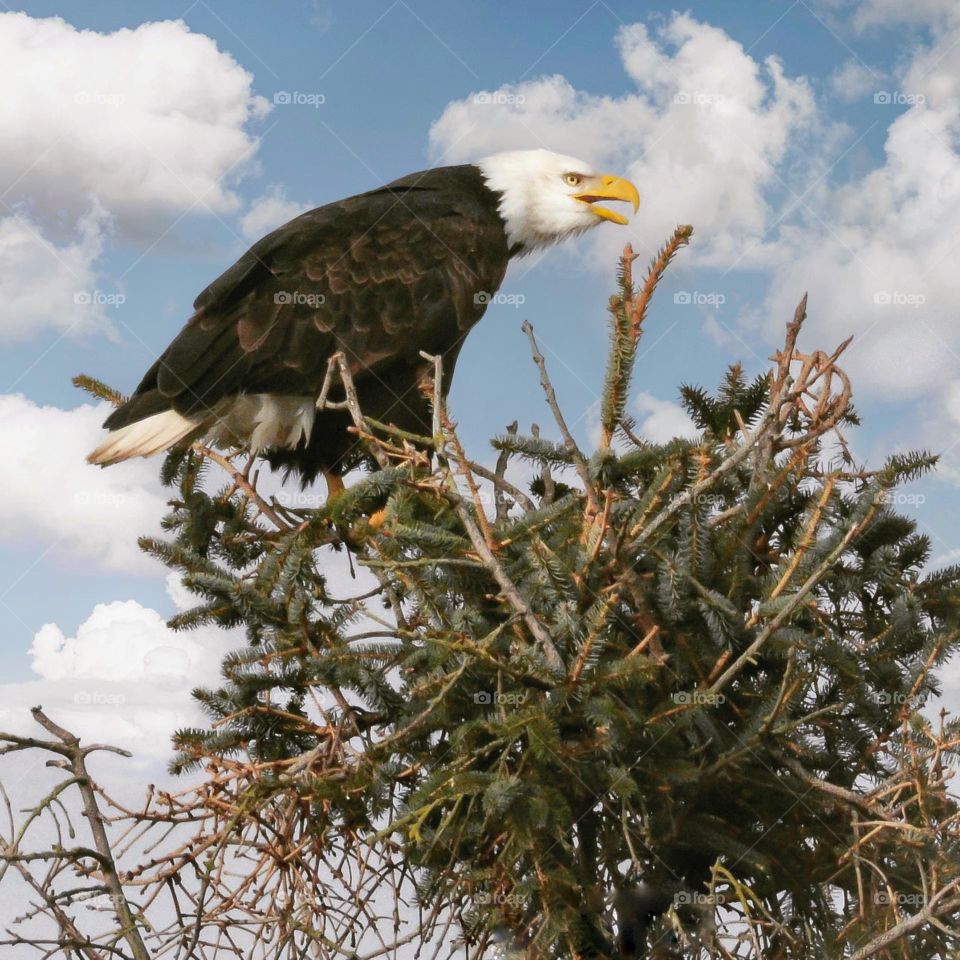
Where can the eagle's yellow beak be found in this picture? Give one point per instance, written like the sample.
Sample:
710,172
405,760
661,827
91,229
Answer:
607,187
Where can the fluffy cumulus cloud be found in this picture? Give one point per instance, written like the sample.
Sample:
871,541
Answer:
53,497
879,254
124,678
87,113
702,134
150,651
269,211
949,699
661,420
48,285
101,135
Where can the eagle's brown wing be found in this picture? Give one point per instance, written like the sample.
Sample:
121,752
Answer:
380,276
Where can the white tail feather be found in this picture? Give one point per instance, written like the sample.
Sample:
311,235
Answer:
144,438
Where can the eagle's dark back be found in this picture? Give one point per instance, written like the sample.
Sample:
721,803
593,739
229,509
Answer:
381,276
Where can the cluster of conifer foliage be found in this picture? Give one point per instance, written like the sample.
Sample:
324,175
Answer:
697,664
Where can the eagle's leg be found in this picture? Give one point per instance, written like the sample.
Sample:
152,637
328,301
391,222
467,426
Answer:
335,487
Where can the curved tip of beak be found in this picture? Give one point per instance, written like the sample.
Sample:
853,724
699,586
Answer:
609,187
623,189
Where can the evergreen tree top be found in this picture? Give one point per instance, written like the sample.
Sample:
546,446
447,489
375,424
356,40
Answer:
697,666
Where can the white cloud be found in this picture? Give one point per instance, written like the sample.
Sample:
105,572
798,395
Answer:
147,120
269,211
149,650
126,130
661,420
878,254
703,136
43,284
880,12
53,496
124,678
855,80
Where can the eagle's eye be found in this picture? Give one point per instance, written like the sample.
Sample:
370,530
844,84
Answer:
572,179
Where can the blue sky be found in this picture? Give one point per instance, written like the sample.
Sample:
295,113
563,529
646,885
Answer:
793,174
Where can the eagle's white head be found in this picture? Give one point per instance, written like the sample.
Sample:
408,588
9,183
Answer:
546,197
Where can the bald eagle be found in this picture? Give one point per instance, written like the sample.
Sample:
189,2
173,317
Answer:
408,267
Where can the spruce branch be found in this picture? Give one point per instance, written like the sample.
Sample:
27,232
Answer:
481,537
628,310
97,388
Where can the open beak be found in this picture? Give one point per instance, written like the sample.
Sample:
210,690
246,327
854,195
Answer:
607,187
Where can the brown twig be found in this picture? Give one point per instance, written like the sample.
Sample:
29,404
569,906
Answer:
579,460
